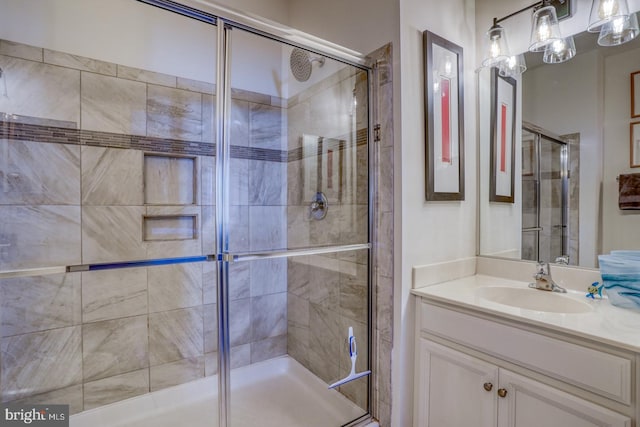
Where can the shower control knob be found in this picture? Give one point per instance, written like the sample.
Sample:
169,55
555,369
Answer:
318,207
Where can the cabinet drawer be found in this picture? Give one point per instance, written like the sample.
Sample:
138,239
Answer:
597,371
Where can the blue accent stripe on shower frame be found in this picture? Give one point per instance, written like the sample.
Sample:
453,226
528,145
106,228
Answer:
141,263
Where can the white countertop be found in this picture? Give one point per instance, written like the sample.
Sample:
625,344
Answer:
605,323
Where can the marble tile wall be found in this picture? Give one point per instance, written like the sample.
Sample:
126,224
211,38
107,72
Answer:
138,330
80,169
327,294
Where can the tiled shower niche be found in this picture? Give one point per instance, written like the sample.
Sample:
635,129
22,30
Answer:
109,163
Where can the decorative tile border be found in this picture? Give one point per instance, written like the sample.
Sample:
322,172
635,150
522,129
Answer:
24,128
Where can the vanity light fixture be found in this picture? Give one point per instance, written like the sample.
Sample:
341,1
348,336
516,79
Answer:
496,48
605,11
609,17
545,29
560,51
619,31
513,66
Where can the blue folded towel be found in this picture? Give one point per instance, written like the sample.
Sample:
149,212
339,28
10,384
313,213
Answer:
620,273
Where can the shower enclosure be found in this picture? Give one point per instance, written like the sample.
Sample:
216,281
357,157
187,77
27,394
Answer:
194,202
545,197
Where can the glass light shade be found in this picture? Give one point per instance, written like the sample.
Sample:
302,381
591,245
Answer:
447,67
513,66
545,29
605,11
619,31
559,51
497,49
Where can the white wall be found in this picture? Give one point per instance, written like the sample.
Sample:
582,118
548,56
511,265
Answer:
568,98
621,229
500,223
431,231
125,32
131,33
275,10
361,25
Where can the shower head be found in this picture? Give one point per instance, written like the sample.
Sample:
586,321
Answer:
300,62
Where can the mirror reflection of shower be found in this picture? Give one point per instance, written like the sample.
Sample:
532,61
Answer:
301,63
545,197
3,84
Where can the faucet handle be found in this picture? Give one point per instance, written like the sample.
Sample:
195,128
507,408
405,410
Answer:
542,267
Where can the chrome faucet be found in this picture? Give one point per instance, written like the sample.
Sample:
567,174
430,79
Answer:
543,279
563,259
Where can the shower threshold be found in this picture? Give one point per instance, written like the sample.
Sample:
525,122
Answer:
278,392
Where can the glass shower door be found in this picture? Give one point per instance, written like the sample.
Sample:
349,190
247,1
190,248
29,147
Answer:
296,235
553,199
530,183
545,197
106,200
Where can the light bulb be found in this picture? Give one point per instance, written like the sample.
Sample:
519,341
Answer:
618,25
608,8
544,30
558,46
447,66
495,47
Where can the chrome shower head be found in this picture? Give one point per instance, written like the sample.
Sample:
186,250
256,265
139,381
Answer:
300,62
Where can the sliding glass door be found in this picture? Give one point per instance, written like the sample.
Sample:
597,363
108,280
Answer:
295,233
183,197
545,188
107,237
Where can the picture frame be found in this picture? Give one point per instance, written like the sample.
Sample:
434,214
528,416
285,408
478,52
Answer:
444,119
634,139
528,156
635,94
503,132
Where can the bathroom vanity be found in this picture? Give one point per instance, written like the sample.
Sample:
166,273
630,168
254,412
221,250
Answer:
491,351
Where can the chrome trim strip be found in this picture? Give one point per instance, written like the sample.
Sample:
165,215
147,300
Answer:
45,271
298,252
223,78
373,151
182,10
202,8
29,272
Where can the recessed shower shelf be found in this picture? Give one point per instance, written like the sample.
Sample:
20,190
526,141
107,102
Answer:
170,227
170,180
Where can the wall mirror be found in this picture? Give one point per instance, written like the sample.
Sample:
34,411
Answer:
572,142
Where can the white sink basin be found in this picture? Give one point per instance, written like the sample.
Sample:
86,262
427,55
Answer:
533,299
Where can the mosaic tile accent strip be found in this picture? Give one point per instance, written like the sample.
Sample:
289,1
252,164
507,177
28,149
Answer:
51,131
339,143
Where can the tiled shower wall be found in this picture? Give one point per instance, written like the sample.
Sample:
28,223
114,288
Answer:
101,162
329,293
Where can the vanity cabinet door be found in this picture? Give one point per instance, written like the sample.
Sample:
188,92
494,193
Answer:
524,402
454,389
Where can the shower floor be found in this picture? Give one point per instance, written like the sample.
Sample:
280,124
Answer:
275,393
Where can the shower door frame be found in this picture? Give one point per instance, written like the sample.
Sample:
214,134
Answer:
223,257
207,13
540,133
